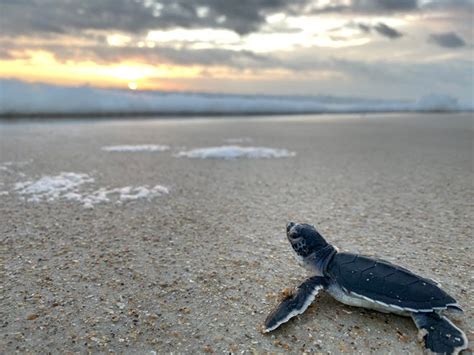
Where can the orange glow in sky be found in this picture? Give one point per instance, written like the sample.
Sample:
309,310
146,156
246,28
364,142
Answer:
43,67
309,47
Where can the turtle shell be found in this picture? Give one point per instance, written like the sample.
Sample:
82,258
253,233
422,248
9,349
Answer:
383,282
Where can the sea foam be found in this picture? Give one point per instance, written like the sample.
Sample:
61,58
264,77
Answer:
136,148
235,151
50,188
78,187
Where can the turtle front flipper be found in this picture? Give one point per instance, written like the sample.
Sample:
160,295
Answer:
296,303
439,334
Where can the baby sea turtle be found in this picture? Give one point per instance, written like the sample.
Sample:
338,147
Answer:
361,281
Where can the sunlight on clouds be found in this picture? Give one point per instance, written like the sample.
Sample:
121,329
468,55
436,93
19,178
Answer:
42,66
282,33
40,58
202,11
148,44
197,35
335,43
321,35
275,18
267,46
312,33
126,72
315,24
292,33
269,42
118,40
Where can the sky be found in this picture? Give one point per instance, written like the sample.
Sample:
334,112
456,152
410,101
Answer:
391,49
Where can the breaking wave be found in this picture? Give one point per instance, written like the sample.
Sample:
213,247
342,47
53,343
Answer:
17,97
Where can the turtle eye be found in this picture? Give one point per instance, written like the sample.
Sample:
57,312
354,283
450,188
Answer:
294,235
289,226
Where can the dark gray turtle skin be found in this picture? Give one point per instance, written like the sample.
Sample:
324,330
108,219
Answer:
362,281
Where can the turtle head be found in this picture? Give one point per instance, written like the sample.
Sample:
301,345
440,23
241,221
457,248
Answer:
304,239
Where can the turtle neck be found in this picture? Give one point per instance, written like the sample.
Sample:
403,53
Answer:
322,257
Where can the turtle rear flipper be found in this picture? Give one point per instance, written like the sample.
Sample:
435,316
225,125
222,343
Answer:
439,334
295,303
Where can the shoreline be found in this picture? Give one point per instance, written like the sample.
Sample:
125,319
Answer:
191,115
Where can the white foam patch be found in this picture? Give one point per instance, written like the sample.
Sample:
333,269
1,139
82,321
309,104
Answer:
234,152
118,195
4,193
50,188
72,187
127,193
136,148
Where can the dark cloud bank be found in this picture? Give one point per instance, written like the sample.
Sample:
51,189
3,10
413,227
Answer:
134,16
40,17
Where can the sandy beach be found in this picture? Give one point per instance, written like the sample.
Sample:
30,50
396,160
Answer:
196,265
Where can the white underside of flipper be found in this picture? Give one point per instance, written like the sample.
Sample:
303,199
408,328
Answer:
296,311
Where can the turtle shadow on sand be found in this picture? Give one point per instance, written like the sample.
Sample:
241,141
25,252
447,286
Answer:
373,284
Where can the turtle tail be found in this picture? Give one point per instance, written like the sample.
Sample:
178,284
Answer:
440,335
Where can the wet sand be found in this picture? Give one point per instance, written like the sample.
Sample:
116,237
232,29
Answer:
199,269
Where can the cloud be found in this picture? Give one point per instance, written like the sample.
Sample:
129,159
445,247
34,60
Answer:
306,64
29,17
381,28
447,40
387,31
5,54
364,27
163,54
51,17
392,6
77,31
368,6
385,5
449,5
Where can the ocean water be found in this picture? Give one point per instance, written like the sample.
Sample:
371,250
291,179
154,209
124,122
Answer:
25,98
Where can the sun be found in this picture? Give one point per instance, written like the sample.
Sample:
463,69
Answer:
133,86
